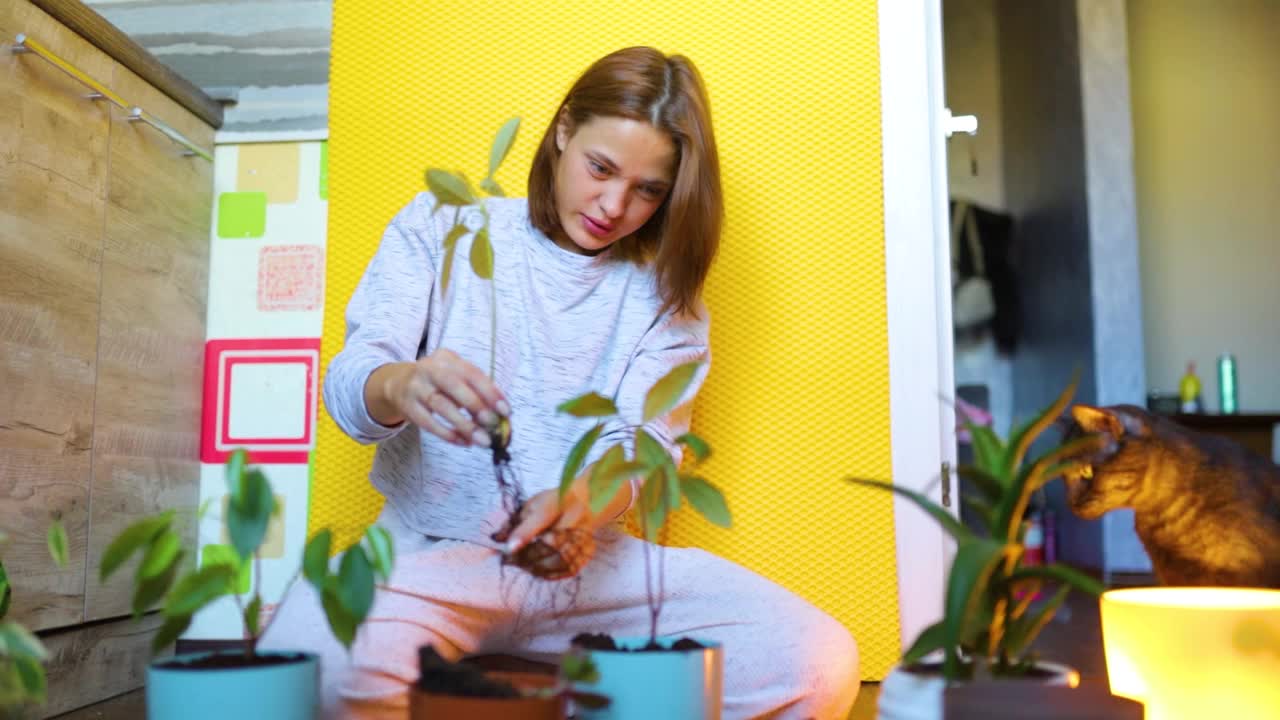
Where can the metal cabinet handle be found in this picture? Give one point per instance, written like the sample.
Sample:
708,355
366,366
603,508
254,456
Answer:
98,91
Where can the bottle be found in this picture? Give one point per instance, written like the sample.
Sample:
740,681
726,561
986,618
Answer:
1227,384
1189,391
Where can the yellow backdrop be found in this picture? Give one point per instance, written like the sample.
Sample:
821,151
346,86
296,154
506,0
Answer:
798,394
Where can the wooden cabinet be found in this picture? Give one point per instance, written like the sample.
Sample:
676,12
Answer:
53,194
104,258
155,277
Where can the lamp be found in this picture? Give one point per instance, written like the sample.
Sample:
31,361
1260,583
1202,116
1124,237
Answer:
1194,652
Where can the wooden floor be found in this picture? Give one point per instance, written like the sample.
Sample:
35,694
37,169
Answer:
1074,638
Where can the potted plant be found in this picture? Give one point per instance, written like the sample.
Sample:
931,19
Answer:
459,690
22,656
990,615
650,676
242,683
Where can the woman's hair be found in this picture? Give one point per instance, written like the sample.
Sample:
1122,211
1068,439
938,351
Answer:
641,83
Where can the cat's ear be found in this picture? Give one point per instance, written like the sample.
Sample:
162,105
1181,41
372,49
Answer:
1136,421
1098,420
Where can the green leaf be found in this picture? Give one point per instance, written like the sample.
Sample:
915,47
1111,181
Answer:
1021,440
383,551
980,508
162,552
315,558
667,392
649,451
450,188
975,560
227,555
236,464
134,537
1061,573
577,667
204,508
355,582
699,447
6,591
58,543
1023,632
251,614
573,463
989,485
930,639
169,632
590,405
1013,506
652,505
340,619
247,519
988,451
673,488
198,589
608,475
19,642
707,500
31,674
502,143
492,187
482,254
948,522
450,249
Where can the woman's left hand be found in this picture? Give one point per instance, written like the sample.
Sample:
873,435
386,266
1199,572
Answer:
567,526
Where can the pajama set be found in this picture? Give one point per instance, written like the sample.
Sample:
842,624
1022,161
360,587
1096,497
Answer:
566,324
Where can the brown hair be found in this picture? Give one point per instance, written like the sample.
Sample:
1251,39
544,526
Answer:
641,83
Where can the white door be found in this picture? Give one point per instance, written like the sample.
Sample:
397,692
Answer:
918,280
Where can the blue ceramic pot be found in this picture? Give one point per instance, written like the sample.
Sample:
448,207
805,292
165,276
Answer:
285,691
686,684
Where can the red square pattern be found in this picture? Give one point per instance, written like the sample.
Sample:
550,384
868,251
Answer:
290,277
221,357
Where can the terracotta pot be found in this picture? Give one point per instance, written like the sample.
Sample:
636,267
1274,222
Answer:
429,706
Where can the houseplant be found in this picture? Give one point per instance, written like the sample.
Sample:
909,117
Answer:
648,677
990,618
22,655
243,683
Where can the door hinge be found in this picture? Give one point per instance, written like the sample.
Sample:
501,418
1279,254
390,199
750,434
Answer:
946,484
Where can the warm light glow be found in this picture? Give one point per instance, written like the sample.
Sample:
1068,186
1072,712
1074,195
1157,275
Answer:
1195,652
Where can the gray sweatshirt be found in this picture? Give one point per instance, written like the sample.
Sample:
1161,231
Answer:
567,324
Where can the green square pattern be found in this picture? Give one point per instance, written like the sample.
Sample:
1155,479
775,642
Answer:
242,214
227,555
324,170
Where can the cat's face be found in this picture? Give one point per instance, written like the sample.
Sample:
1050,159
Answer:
1111,477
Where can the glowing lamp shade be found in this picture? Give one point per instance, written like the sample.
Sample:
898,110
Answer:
1194,652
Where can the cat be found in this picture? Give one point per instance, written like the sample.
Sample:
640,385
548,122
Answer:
1206,509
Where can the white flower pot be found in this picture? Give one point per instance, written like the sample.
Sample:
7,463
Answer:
912,695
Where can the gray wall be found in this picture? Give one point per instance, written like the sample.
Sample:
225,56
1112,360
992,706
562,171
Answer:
1068,172
274,53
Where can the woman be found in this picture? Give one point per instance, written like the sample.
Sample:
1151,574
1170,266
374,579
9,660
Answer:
596,287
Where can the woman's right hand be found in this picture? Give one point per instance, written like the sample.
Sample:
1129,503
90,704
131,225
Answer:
441,393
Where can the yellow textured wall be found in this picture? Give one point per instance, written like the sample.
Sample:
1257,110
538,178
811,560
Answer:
798,394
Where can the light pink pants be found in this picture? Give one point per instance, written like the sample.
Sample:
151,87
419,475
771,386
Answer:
783,657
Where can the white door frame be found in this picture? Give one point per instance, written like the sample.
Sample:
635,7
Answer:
918,285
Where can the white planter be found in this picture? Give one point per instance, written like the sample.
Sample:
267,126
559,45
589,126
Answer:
918,696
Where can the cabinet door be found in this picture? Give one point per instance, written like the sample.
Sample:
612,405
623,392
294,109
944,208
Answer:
155,269
53,178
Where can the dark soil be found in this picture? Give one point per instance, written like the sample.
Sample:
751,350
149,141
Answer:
441,677
601,641
228,660
1033,673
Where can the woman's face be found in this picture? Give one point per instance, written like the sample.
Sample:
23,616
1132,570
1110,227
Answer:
612,175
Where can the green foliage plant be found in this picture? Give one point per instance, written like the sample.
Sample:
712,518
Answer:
22,656
666,485
345,595
990,620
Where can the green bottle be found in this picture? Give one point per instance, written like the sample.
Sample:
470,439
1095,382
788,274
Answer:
1227,391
